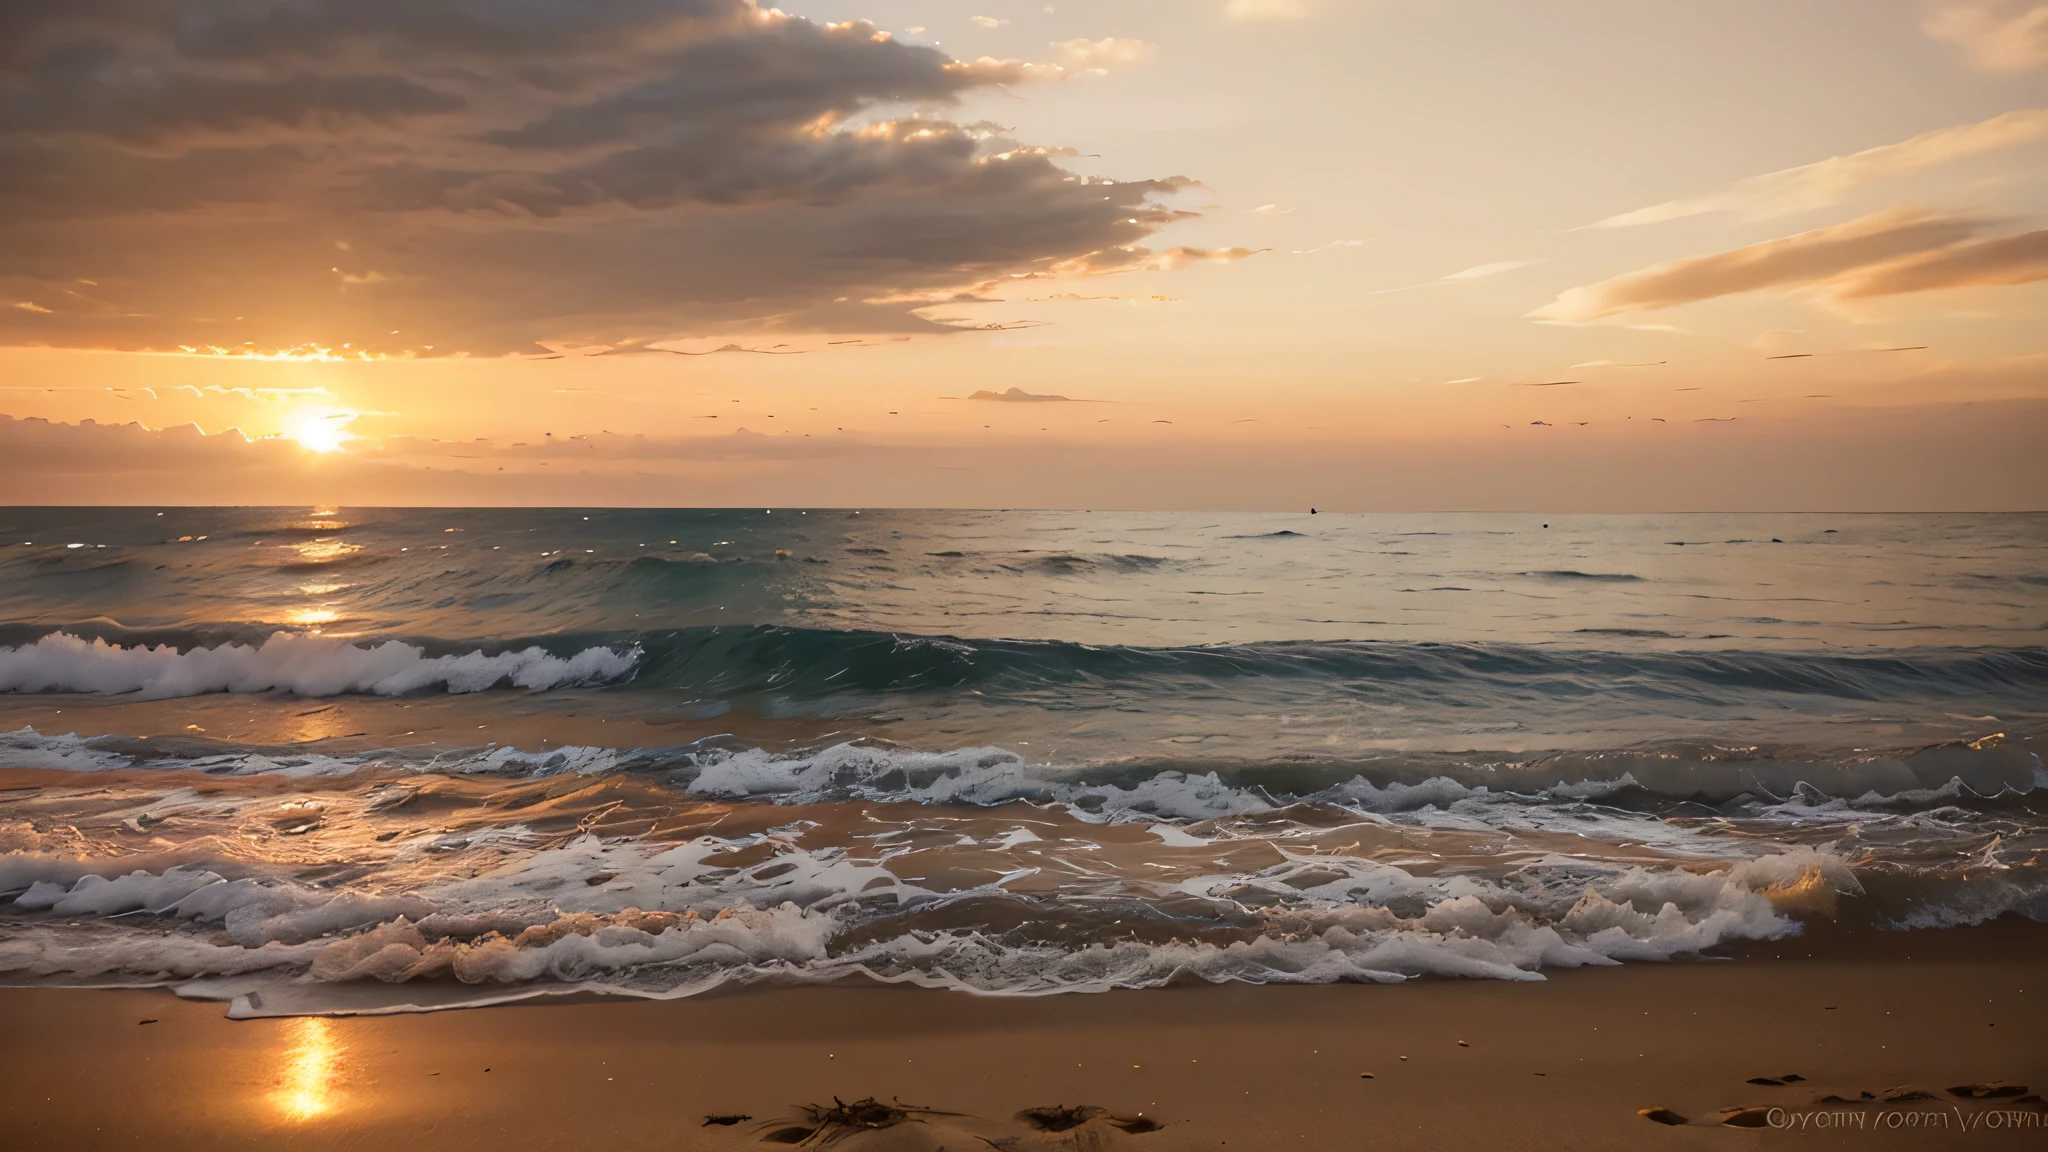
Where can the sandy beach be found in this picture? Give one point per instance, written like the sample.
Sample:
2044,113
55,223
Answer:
1566,1063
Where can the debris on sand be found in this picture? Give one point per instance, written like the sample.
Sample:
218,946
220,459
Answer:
829,1125
1059,1118
726,1120
867,1113
1662,1116
1996,1089
1745,1117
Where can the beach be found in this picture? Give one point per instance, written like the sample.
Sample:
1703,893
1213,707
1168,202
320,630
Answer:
1567,1063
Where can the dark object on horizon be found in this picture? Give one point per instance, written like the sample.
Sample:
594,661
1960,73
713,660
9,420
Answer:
727,1120
1311,511
1020,396
151,1020
1662,1116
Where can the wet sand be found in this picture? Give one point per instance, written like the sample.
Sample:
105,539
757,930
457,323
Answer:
1564,1064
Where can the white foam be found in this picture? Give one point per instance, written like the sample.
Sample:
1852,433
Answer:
303,665
27,748
979,776
137,891
674,920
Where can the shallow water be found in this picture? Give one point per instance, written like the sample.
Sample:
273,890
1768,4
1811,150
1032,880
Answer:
383,758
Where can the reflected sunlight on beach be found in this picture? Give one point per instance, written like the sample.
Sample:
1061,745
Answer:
311,1062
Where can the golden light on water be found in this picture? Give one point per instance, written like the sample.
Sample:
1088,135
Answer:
310,1065
312,616
324,549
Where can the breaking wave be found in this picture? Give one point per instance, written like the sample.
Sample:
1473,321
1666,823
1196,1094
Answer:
286,662
653,921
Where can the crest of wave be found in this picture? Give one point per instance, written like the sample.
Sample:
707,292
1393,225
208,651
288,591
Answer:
302,665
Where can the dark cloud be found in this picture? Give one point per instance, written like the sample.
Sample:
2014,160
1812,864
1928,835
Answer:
482,175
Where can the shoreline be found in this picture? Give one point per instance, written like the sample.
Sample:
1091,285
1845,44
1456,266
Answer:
1563,1063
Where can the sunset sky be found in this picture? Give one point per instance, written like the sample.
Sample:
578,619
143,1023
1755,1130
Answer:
1361,254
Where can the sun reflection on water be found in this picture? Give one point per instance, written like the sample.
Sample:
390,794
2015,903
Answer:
325,548
307,1090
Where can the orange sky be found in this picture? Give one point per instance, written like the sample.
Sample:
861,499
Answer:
1384,254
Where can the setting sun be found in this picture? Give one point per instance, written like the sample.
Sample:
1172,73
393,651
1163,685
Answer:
323,431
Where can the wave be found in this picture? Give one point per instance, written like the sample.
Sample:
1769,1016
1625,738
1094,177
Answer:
665,921
1647,784
813,662
301,665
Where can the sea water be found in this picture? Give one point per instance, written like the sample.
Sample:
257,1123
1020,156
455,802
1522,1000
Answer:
344,759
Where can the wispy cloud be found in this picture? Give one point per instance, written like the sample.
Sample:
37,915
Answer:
1832,180
1482,271
1476,272
1327,247
1101,55
1886,254
1265,9
1998,35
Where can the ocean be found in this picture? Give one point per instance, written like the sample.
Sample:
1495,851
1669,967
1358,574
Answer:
315,760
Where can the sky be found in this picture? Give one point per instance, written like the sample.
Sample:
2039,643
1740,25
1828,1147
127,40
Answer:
1584,255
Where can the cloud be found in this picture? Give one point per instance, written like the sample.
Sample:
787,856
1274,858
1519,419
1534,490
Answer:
1476,272
1481,271
268,174
1996,262
1102,54
1265,9
1020,396
1982,455
1997,35
1831,181
34,445
1887,253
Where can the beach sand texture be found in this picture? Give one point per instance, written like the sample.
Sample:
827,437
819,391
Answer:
1567,1064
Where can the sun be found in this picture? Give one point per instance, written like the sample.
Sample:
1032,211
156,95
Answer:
323,431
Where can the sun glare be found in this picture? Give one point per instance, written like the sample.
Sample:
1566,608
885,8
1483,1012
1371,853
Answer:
323,431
